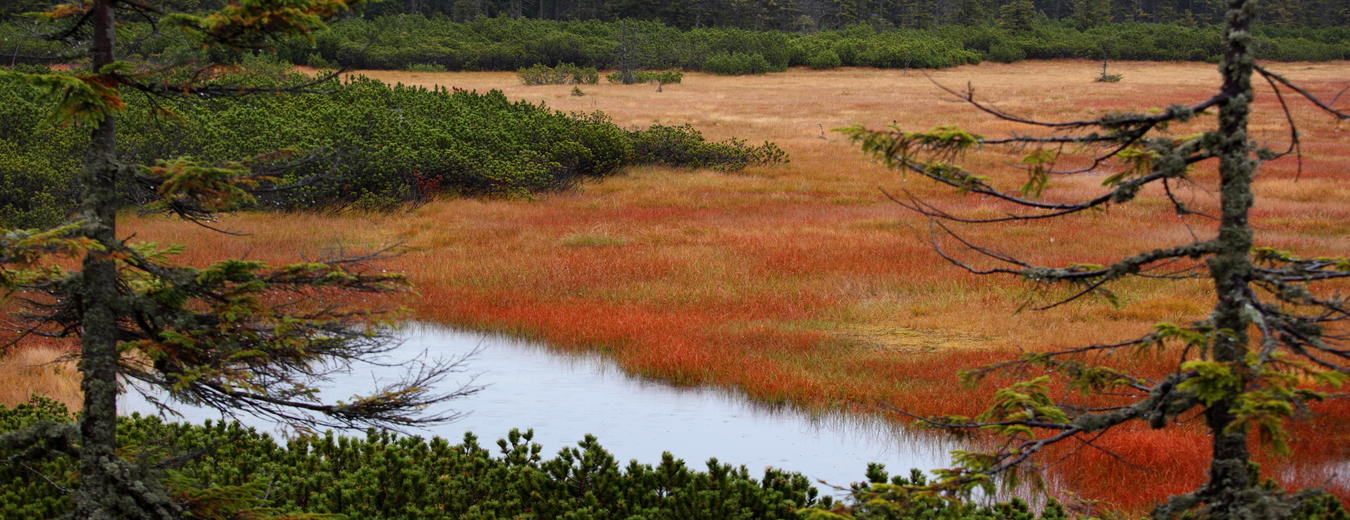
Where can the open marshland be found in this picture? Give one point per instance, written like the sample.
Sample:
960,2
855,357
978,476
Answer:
804,283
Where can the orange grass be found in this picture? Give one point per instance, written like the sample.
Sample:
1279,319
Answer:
802,283
41,370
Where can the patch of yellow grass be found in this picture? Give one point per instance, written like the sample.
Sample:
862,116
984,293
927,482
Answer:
46,372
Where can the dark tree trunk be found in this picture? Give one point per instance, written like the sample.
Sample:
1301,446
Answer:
1231,268
98,496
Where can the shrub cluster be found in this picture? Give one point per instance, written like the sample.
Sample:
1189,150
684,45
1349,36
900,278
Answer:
825,59
685,146
664,77
739,63
37,159
366,145
563,74
383,476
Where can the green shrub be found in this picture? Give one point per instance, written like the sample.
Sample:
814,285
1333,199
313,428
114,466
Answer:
737,63
37,158
365,145
1006,52
382,476
685,146
1106,77
425,67
563,74
664,77
317,61
825,59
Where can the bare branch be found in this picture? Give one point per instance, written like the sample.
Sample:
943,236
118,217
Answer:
1328,108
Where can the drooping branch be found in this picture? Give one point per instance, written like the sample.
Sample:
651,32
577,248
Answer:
1165,401
1112,121
1326,107
1131,265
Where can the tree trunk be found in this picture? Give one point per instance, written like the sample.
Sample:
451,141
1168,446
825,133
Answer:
1231,268
98,496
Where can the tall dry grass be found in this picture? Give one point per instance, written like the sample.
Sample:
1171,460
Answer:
39,371
804,283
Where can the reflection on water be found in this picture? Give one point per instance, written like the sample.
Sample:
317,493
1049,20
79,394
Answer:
564,397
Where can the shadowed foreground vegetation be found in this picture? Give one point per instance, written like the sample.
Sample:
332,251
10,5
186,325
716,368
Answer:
385,476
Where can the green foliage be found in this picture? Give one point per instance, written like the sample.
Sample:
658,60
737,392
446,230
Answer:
409,42
738,63
365,145
1006,52
563,74
885,497
664,77
825,59
383,476
37,158
685,146
419,67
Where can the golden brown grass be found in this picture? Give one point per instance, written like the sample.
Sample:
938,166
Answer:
41,371
803,283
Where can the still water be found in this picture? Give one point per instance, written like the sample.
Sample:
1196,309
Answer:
564,397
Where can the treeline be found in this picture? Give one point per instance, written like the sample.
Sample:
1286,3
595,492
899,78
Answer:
360,144
491,39
808,15
396,42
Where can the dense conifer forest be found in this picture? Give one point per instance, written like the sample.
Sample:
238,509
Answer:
726,36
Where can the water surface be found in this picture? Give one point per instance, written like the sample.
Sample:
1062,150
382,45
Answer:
565,397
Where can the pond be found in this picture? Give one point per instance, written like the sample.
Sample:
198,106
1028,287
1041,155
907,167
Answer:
565,397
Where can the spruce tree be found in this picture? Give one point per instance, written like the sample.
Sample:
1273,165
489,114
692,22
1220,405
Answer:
236,335
1273,342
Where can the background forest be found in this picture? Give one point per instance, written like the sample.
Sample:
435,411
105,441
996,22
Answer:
805,15
749,36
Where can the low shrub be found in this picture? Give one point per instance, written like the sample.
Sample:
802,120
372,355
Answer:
738,63
365,145
664,77
317,61
1006,52
37,158
382,476
563,74
425,67
825,59
685,146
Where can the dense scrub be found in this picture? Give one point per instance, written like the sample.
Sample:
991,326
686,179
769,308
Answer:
384,476
563,74
363,144
221,465
393,42
401,42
